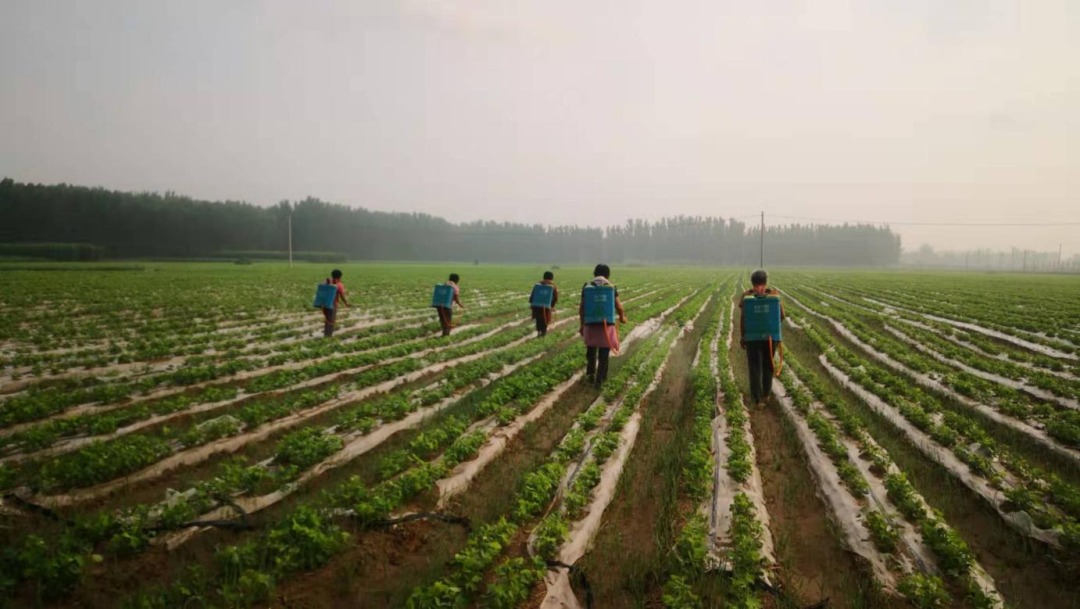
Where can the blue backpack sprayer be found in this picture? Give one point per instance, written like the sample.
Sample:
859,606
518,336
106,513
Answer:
443,298
542,295
325,297
325,294
761,321
599,302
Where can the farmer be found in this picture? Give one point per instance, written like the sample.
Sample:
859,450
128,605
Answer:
600,338
542,315
759,355
446,314
339,299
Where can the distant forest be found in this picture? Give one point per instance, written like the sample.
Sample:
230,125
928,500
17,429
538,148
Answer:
147,225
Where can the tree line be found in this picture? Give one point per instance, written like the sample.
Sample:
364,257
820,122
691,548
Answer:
139,225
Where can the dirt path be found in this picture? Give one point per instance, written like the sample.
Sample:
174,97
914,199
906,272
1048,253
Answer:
624,566
812,563
383,567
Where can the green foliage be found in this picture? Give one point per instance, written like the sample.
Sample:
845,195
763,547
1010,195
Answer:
678,594
514,580
306,447
884,535
925,591
746,558
550,535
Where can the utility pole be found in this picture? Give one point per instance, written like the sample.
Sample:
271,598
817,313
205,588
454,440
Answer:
290,239
762,240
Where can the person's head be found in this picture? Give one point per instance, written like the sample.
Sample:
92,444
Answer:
455,278
602,270
336,274
759,279
548,276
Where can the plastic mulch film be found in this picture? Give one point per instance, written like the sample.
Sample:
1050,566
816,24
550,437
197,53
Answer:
1020,521
925,380
725,489
559,592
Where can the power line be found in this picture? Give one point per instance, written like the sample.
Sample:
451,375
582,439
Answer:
953,224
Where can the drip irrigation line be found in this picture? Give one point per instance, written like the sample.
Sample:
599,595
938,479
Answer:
241,525
447,518
15,497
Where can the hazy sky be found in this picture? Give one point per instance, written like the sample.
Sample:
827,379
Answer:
559,111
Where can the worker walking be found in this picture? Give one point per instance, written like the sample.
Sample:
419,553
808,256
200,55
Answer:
759,334
443,299
544,297
597,314
330,309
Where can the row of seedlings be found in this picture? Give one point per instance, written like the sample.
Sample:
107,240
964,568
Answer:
589,484
144,456
1037,504
865,490
740,542
686,562
95,396
1054,426
307,453
250,573
516,577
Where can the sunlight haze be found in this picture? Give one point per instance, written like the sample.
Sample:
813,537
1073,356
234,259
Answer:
565,112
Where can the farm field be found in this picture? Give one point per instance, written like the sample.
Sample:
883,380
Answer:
181,435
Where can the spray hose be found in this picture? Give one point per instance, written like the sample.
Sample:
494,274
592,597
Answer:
442,318
772,362
607,336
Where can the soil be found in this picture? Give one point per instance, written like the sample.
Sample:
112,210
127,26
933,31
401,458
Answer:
420,551
1027,574
813,566
625,566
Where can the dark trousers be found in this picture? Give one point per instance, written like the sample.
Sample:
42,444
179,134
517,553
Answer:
541,315
331,318
591,365
761,368
446,319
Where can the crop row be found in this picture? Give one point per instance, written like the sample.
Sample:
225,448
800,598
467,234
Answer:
252,573
1060,422
1053,504
844,440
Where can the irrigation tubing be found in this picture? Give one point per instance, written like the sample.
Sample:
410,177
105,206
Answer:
447,518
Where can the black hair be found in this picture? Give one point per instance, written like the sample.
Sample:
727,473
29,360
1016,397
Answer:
549,275
454,277
336,274
759,277
602,270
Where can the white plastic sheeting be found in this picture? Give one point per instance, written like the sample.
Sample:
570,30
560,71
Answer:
724,488
1016,340
1037,434
559,593
987,376
1020,521
234,443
